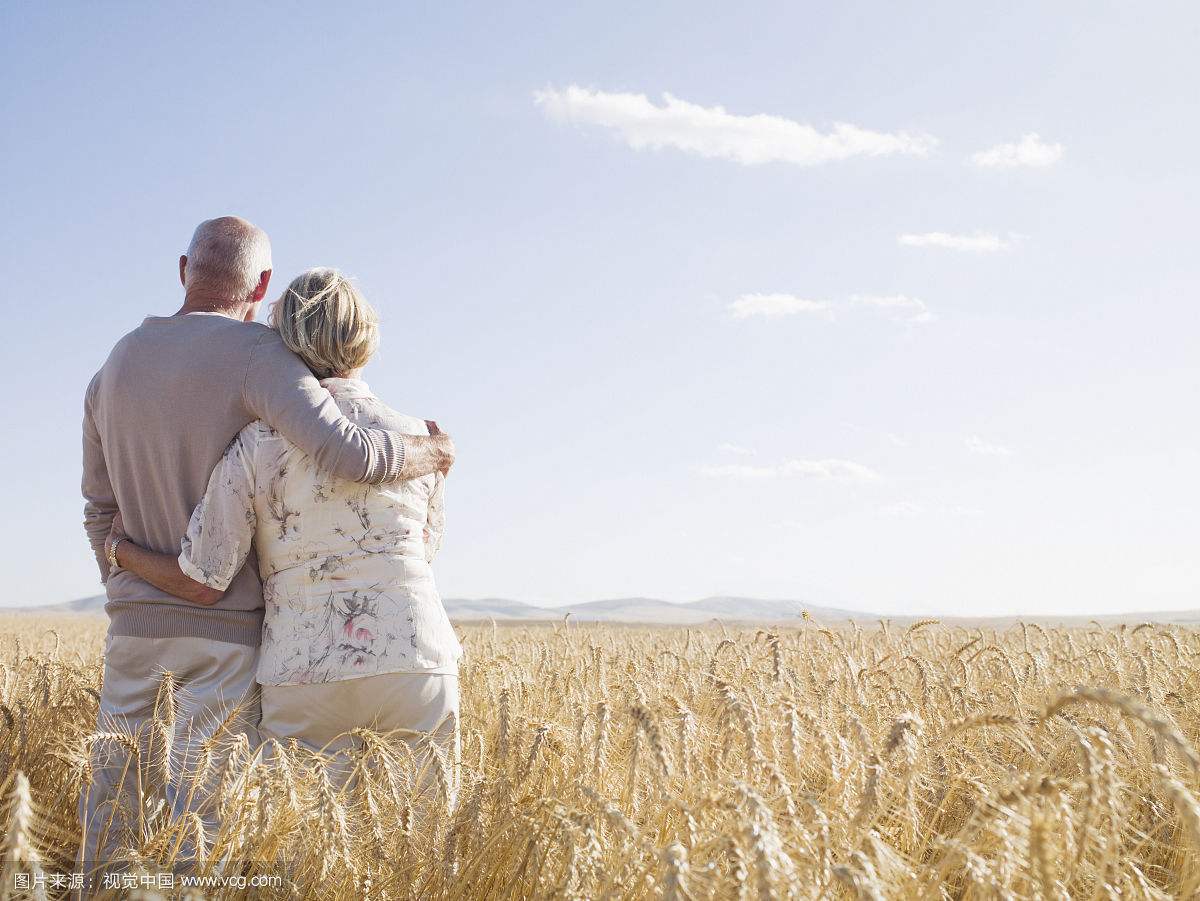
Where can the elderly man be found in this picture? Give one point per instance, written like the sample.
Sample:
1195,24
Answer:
157,417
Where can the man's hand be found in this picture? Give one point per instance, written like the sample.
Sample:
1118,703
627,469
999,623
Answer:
426,454
435,432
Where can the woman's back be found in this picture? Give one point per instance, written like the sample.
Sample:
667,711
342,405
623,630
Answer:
311,520
347,584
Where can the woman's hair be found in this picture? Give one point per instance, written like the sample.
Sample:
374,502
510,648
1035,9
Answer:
325,321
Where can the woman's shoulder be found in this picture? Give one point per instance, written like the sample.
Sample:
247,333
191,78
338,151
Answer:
380,415
257,432
253,436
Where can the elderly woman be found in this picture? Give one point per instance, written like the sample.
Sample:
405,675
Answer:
355,634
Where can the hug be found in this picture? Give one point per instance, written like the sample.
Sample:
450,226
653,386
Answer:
265,528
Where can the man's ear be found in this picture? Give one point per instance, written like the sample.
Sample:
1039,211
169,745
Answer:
260,290
182,267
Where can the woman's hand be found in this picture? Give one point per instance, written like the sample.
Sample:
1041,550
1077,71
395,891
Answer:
115,531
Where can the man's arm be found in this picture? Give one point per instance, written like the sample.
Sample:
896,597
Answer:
280,390
100,504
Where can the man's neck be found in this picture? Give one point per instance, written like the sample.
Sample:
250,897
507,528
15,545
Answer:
203,302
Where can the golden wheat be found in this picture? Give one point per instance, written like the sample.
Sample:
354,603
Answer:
814,762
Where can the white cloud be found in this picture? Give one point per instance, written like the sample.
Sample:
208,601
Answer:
710,131
898,306
977,445
980,242
909,510
735,449
772,305
958,510
901,510
811,469
792,524
891,437
1031,150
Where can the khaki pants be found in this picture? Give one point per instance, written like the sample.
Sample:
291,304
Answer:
320,716
215,702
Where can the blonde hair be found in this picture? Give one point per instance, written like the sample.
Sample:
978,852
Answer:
326,322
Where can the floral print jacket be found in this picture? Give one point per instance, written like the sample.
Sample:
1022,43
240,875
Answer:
345,567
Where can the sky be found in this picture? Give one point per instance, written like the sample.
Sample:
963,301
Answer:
875,305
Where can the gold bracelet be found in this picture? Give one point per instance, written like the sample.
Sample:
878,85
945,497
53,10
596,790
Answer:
112,552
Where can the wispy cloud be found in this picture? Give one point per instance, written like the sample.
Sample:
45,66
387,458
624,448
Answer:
1031,151
977,445
897,307
901,510
909,510
900,307
891,437
846,470
711,131
736,449
772,305
979,242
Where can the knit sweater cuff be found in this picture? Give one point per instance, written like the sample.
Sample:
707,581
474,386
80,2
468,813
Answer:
387,457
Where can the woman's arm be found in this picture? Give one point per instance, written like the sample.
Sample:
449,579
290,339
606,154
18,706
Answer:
160,570
218,535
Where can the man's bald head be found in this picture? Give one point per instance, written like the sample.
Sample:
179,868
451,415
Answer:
227,258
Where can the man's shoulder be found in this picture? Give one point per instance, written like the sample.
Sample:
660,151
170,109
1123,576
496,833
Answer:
154,329
162,342
259,330
251,333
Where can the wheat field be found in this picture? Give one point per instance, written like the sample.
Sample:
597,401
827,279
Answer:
812,761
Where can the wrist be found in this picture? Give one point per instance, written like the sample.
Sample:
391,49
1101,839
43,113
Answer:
114,551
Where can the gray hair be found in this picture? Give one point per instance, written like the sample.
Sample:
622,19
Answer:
227,255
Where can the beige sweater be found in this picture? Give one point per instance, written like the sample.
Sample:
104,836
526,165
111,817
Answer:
157,418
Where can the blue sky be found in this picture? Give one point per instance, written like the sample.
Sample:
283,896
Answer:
690,337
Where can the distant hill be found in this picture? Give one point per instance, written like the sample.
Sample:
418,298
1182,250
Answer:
653,610
728,609
93,604
492,608
626,610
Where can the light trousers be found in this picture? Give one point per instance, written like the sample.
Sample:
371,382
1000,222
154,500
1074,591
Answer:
132,773
419,708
